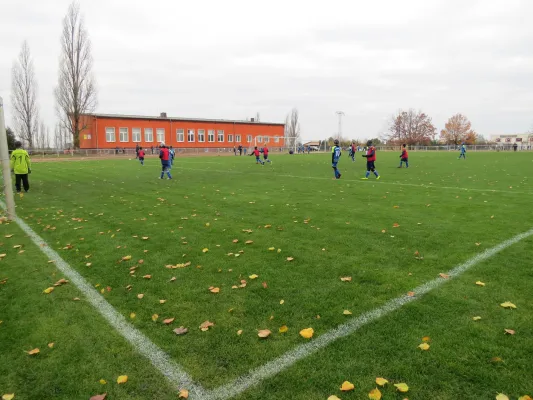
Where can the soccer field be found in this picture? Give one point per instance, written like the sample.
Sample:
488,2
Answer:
252,248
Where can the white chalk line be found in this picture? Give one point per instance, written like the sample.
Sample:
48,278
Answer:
288,359
370,181
175,375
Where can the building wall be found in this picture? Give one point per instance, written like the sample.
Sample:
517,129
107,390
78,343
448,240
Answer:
94,136
524,139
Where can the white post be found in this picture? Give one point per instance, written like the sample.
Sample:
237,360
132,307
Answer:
6,169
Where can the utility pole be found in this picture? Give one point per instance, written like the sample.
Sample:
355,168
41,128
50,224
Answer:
6,169
340,114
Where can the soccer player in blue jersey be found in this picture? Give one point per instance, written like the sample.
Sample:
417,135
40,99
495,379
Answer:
463,151
335,156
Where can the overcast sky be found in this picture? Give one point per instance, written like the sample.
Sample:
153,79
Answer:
230,59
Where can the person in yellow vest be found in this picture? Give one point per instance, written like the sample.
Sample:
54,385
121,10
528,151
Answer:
21,166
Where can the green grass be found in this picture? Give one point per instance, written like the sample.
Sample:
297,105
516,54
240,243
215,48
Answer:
448,210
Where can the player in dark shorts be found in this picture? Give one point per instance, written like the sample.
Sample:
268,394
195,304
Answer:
370,161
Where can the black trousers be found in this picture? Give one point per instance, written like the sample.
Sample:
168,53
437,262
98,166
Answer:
25,182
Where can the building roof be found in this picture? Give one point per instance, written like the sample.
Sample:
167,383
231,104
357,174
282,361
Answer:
312,144
160,118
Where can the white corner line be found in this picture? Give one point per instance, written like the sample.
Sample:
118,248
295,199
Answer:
277,365
175,375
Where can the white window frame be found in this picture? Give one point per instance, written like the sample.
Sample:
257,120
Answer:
230,138
158,132
211,135
259,139
237,138
108,132
122,131
148,135
267,139
190,135
219,135
249,138
276,139
201,135
136,135
180,139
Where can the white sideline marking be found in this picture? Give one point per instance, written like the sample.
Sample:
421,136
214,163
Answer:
177,377
380,182
283,362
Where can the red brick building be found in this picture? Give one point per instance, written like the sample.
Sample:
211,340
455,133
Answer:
105,131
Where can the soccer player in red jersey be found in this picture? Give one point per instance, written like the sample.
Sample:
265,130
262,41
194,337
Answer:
164,155
140,154
255,152
265,155
370,161
404,157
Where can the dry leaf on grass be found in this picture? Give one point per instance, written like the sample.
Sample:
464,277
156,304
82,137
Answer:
239,332
122,379
508,304
51,345
444,276
346,279
254,276
476,318
140,296
479,283
61,282
347,386
206,325
33,352
147,276
126,258
155,317
402,387
290,258
526,397
205,250
501,396
264,333
333,397
426,339
510,331
10,396
423,346
374,394
249,241
283,329
214,289
307,333
168,321
381,381
99,397
183,394
180,331
48,290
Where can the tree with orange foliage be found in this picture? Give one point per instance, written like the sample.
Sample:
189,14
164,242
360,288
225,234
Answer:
457,130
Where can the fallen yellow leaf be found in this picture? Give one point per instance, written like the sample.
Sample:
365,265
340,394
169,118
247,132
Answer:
283,329
307,333
140,296
168,321
374,394
48,290
290,258
205,250
510,331
347,312
264,333
99,397
155,317
501,396
102,381
122,379
147,276
271,248
381,381
426,339
8,396
526,397
346,279
476,318
254,276
423,346
333,397
33,352
132,315
508,304
126,258
444,276
214,289
183,394
402,387
479,283
206,325
239,332
281,301
347,386
51,345
249,241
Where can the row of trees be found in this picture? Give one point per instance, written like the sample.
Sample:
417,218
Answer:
75,92
416,128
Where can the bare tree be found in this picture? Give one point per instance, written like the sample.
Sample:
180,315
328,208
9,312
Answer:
24,96
292,129
76,90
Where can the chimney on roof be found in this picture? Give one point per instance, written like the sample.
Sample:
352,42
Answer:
163,115
253,119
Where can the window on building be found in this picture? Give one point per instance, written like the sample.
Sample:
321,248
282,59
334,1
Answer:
190,135
201,135
249,138
148,135
220,136
160,132
267,139
136,135
123,134
180,135
230,138
110,135
211,135
237,138
276,139
260,139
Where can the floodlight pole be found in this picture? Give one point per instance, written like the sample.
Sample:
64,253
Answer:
6,169
340,114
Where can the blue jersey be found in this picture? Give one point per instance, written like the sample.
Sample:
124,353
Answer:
463,149
335,154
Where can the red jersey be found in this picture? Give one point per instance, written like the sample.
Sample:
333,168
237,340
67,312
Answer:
256,153
405,154
164,154
141,153
371,150
265,151
353,148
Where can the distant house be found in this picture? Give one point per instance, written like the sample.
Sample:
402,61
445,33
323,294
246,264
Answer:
314,145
